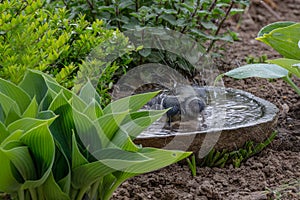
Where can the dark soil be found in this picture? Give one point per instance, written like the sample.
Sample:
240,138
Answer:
273,173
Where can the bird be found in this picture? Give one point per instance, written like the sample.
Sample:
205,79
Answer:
183,104
171,103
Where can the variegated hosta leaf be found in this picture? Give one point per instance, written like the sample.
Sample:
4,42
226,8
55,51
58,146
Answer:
132,103
41,144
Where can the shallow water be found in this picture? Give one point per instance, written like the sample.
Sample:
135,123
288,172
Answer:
225,109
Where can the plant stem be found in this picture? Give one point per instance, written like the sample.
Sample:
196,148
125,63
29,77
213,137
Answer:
21,195
220,26
33,194
82,191
112,189
292,84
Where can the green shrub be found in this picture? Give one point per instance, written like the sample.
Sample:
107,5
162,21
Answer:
34,37
55,144
202,19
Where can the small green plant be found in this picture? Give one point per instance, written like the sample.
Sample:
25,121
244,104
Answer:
55,144
192,165
252,60
220,159
283,37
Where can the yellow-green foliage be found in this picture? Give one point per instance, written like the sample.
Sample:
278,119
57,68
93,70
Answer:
32,36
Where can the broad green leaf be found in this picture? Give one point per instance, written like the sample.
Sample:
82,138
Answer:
158,158
32,109
51,190
88,132
46,114
88,93
14,136
7,181
87,174
63,126
284,40
15,93
59,101
25,124
21,158
135,126
270,27
119,159
7,103
41,144
93,110
258,70
288,64
122,140
12,116
62,171
132,103
34,84
3,132
109,124
47,99
77,158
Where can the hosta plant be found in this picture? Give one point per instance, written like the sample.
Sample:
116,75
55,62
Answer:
285,39
55,144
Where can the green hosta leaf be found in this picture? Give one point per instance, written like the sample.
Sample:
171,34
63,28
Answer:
119,159
34,84
88,93
12,116
86,174
258,70
7,104
135,126
51,190
62,171
158,158
15,93
77,158
132,103
32,109
109,124
41,144
88,132
3,132
270,27
47,99
23,162
284,40
25,124
63,126
8,183
13,137
93,110
288,64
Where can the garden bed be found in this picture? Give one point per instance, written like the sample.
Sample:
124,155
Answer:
262,176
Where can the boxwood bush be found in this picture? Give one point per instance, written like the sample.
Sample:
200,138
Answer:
35,36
